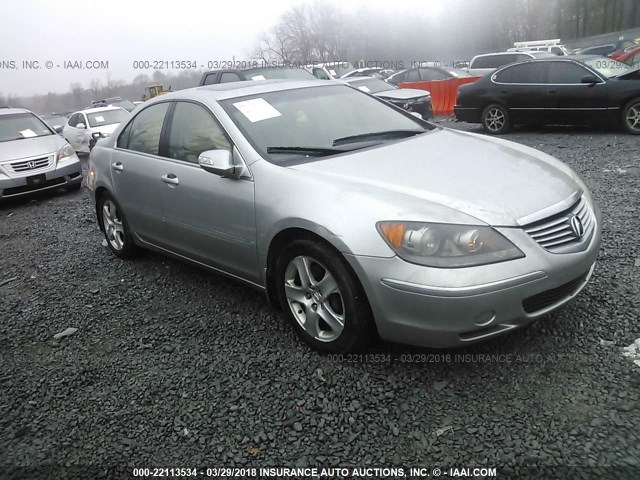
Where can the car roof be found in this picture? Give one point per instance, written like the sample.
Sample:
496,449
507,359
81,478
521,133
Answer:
99,109
11,110
224,91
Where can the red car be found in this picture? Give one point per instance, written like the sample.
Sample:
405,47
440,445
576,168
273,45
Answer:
622,52
631,57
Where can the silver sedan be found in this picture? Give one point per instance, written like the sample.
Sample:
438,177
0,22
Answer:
354,217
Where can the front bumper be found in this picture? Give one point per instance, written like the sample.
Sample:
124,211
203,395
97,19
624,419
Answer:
67,174
436,307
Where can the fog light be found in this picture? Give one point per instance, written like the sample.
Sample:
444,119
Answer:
485,318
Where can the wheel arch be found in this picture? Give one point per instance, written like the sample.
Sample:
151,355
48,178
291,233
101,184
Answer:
289,234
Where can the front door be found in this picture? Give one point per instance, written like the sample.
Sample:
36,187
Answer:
209,218
572,101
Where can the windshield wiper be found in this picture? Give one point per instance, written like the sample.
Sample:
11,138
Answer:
314,151
364,137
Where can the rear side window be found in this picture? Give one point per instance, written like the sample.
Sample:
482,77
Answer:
412,76
143,133
193,131
522,73
494,61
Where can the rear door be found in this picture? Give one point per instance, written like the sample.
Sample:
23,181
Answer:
575,102
136,170
209,218
521,88
69,132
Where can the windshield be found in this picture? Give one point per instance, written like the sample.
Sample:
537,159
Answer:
55,120
338,69
608,67
16,126
107,117
302,122
371,85
126,104
276,72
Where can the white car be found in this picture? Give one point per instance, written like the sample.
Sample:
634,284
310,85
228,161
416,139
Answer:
329,71
489,62
83,124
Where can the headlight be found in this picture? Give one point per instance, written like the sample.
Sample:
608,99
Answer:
447,246
66,153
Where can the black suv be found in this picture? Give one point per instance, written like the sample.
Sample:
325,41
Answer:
256,73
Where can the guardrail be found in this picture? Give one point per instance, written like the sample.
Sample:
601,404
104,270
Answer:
443,92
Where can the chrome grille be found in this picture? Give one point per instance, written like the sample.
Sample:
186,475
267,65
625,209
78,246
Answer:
556,234
31,165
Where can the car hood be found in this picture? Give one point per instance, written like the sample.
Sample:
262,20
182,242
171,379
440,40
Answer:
495,181
30,147
402,94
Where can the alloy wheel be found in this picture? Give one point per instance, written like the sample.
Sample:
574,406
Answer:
633,117
314,298
113,228
495,119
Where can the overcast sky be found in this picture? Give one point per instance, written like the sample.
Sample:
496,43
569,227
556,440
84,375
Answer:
121,31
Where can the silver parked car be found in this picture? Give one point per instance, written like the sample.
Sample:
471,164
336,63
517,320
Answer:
353,216
33,157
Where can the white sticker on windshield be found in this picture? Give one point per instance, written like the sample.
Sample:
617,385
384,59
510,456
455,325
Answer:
257,109
258,77
28,133
99,119
364,88
333,73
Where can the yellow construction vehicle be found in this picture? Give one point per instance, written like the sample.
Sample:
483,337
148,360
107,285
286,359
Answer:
153,91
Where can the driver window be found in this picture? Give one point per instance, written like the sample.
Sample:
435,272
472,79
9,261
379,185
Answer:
193,131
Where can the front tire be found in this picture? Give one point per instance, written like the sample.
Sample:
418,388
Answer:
495,119
115,227
631,117
322,298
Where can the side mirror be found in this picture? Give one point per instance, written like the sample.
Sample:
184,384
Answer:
81,125
219,162
591,79
58,128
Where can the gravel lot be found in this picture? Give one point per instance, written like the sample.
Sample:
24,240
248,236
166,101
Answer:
172,366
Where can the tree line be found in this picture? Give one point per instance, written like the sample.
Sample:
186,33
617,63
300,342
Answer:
323,31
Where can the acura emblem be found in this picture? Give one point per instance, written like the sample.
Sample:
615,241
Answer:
576,226
31,165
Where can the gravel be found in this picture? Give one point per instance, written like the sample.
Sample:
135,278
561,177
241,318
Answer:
172,366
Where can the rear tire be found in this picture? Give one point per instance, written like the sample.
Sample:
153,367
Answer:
322,298
631,117
115,227
495,119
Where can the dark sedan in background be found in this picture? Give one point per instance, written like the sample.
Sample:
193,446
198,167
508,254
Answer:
571,90
426,74
412,100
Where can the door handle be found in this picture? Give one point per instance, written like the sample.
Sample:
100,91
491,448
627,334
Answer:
170,178
117,166
504,91
552,91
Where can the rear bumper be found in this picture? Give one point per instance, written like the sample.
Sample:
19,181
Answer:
467,114
65,175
